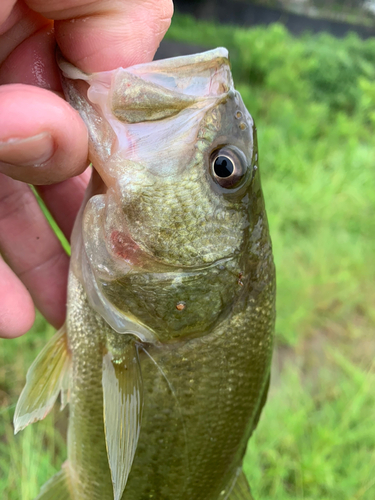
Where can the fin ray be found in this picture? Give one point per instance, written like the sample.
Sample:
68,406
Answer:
241,489
57,488
123,401
45,379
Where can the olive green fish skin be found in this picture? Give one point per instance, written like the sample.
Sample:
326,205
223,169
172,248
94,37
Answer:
205,373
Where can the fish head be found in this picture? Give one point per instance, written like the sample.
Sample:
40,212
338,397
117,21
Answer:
166,239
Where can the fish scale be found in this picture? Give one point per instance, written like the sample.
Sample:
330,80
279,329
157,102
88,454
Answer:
186,210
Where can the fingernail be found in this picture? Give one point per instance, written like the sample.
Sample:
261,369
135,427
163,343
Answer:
30,152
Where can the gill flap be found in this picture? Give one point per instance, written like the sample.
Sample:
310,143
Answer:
46,378
123,401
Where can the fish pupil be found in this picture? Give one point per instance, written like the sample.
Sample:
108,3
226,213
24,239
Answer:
223,167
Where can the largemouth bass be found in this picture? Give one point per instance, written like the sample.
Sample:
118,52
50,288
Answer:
165,355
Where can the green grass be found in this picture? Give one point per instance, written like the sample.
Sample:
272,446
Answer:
351,11
313,100
316,437
29,459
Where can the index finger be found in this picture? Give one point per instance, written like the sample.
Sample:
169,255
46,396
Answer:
95,36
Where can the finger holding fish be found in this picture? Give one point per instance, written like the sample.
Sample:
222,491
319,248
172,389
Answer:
17,308
96,36
34,253
42,139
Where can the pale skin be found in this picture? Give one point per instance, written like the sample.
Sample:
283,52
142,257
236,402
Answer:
43,141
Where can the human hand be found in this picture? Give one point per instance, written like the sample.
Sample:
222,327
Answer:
43,141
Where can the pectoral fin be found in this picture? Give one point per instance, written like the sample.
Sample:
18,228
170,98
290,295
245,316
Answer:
46,378
57,488
123,399
241,489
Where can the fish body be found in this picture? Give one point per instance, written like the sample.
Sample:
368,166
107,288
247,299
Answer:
165,356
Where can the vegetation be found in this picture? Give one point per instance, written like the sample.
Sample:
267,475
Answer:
350,11
313,100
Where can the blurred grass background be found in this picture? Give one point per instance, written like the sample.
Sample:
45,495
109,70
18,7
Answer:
313,99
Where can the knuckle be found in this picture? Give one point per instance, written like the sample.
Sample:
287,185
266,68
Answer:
162,12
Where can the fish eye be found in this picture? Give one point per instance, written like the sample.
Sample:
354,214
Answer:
228,167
